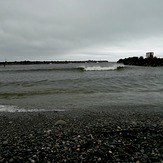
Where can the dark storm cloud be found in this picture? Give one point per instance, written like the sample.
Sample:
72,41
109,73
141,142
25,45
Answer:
79,29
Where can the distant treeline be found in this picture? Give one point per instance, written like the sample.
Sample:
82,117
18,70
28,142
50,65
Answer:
140,61
47,62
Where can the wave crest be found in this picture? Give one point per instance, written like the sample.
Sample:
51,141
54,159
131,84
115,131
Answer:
99,68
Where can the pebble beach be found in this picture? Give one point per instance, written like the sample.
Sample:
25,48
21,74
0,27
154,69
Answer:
81,137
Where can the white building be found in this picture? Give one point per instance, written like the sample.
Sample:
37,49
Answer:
149,54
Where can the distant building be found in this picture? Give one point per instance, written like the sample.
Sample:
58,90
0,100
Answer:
149,54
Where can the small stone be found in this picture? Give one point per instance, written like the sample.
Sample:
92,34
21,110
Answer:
110,152
118,127
145,156
48,131
153,153
32,161
60,122
91,136
11,160
78,149
99,159
34,156
5,142
99,141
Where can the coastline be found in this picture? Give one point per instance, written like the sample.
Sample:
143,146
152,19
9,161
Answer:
49,62
114,136
140,61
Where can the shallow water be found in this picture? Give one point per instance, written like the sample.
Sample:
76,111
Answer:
90,86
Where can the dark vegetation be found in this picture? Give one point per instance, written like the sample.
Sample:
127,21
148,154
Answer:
140,61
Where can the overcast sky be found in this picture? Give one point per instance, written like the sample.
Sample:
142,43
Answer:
80,29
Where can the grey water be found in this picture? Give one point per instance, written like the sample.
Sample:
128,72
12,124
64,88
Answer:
80,86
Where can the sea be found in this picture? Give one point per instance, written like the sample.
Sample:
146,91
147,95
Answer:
100,86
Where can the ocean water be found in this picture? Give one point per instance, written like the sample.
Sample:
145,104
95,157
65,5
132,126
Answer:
84,86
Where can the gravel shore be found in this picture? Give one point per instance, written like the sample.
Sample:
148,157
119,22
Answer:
81,137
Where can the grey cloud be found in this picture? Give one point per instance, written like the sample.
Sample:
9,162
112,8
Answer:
75,29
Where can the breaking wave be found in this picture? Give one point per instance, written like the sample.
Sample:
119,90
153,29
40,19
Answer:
99,68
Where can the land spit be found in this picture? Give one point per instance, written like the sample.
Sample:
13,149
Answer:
81,137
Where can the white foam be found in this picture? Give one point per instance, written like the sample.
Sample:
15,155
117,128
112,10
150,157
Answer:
12,109
99,68
7,108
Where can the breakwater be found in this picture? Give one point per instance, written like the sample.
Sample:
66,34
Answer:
48,62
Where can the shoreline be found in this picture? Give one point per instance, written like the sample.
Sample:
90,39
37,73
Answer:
81,136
